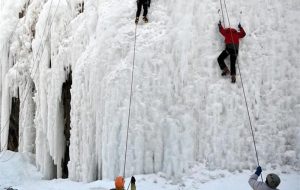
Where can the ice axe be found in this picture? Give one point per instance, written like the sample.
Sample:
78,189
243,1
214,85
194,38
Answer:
241,12
220,16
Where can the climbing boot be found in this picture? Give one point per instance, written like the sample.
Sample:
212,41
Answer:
233,79
136,20
145,19
225,71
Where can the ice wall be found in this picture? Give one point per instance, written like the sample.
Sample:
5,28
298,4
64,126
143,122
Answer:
8,26
183,112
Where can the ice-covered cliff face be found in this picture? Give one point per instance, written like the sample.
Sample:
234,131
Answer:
182,110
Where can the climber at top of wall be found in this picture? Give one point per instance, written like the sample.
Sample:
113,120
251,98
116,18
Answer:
232,37
120,182
272,181
145,4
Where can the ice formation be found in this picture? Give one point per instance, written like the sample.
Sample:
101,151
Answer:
183,112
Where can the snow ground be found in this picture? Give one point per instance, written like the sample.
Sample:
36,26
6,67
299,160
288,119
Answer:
20,173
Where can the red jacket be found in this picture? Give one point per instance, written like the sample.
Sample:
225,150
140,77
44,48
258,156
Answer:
231,35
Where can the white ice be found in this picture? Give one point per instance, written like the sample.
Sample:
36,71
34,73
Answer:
183,113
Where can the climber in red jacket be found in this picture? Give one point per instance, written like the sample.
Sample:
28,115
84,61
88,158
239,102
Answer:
232,46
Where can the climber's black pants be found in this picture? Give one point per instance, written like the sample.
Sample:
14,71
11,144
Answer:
139,8
223,56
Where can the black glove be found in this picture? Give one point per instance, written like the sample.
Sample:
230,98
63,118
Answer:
240,26
219,24
132,180
258,171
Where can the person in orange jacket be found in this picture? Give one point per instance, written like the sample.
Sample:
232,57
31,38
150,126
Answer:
232,38
120,182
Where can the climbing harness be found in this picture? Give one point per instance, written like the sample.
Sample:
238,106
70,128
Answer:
245,99
130,99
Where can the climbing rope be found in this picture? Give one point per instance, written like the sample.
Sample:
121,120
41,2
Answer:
34,61
245,98
130,99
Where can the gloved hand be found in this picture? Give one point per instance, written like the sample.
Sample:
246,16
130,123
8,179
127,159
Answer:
240,26
132,180
219,24
258,171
